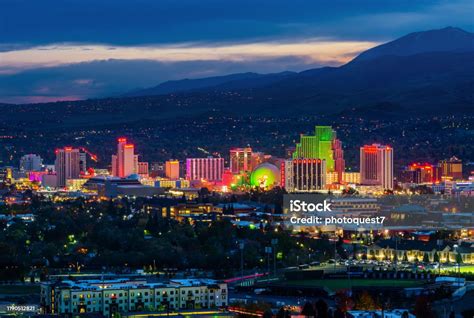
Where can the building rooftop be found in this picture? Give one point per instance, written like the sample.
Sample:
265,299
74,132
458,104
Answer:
129,283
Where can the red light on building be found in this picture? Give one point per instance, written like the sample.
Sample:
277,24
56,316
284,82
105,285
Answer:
122,139
129,146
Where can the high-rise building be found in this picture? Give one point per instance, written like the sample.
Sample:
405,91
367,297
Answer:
209,169
351,177
304,175
83,161
125,162
30,162
67,165
421,173
172,169
322,145
240,160
376,165
451,168
143,169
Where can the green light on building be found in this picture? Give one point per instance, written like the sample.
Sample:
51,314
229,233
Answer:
318,146
265,176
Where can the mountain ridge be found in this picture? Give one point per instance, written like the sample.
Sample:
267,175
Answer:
453,40
423,83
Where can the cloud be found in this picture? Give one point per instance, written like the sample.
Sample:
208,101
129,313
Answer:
315,50
116,77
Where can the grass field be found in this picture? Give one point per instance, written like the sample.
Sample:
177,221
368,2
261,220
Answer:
336,284
18,289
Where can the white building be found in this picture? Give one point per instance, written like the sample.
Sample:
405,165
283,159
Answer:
30,162
376,166
304,175
131,295
209,169
67,165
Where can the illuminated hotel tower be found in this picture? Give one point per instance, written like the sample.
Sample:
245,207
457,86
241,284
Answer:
209,169
322,145
451,169
125,162
303,175
67,165
240,160
172,169
376,165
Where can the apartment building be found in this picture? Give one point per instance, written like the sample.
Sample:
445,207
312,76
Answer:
123,295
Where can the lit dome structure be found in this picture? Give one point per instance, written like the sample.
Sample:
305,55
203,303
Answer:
265,176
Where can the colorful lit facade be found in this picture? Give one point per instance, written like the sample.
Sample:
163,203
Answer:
67,165
209,169
421,173
172,169
143,169
265,176
304,175
240,160
376,166
322,145
125,162
451,169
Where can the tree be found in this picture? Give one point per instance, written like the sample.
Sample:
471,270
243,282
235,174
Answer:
343,301
308,310
423,308
426,258
283,313
365,302
436,257
267,314
322,308
458,258
405,257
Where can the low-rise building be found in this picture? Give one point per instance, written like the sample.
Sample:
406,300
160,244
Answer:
124,295
416,250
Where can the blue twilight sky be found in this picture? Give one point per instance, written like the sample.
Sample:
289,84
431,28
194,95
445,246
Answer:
74,49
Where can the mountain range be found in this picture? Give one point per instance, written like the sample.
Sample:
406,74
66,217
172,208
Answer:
427,72
431,70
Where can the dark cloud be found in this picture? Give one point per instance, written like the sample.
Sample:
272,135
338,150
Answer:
123,22
116,77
